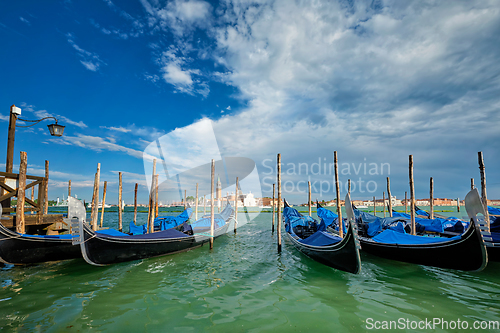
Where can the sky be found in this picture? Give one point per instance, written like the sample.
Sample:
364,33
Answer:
375,81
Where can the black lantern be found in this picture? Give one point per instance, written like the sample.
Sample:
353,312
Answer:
56,129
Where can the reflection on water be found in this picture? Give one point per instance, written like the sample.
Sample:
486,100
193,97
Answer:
242,285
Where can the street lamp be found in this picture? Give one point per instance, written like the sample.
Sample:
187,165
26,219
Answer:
55,130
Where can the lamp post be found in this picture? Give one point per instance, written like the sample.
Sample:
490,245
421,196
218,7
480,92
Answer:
54,129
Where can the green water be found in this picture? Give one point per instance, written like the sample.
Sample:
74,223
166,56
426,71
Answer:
242,285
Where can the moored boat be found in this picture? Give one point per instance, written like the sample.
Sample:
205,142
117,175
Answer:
465,252
312,239
99,250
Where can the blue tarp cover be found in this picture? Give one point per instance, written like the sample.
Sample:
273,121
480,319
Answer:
326,215
331,219
163,223
377,224
137,229
321,238
111,232
493,210
394,237
293,218
167,222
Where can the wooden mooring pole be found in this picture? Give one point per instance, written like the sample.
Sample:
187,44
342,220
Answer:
279,203
212,221
20,225
120,204
431,199
412,197
309,198
185,196
274,206
337,189
472,184
135,203
458,205
484,197
103,202
406,202
196,204
236,205
46,189
95,199
204,205
157,186
151,219
69,188
383,201
389,195
374,207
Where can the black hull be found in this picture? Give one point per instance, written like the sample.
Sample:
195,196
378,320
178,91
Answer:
18,249
493,251
342,256
467,253
97,250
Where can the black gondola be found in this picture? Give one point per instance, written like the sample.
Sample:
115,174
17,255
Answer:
102,250
322,246
22,249
465,252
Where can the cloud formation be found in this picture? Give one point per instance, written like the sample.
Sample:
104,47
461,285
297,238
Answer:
89,60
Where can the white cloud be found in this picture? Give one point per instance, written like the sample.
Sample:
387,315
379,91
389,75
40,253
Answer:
118,129
43,113
24,20
176,72
89,60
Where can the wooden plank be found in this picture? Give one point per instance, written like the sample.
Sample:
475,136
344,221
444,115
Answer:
10,221
6,196
7,187
20,228
16,176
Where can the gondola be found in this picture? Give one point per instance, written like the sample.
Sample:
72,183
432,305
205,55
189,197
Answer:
465,252
16,248
103,250
312,239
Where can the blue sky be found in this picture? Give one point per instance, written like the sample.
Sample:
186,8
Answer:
374,80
